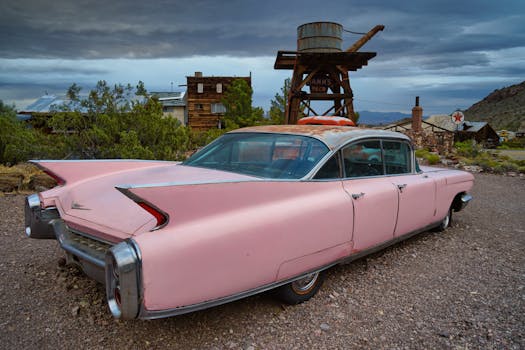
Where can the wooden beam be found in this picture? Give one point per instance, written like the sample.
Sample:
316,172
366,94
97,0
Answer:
324,96
307,79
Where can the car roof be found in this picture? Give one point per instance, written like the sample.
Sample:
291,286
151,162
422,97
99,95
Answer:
332,136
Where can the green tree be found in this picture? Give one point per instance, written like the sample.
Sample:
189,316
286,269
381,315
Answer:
119,122
238,103
355,119
278,104
16,141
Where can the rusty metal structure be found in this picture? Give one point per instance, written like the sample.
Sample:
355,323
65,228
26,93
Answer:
321,65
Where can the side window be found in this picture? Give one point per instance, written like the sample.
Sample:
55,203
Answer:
397,157
331,169
363,159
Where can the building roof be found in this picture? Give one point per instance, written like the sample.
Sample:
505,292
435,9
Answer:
46,104
471,126
406,125
172,95
445,122
53,103
171,99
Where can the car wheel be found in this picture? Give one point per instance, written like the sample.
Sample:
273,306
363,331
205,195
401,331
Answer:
302,289
445,223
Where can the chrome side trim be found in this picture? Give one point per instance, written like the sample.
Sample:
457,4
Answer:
387,244
138,199
189,183
153,314
98,161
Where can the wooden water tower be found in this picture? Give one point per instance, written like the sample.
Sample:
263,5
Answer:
320,70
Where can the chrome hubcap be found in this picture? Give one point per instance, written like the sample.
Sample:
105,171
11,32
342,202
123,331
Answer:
446,221
304,284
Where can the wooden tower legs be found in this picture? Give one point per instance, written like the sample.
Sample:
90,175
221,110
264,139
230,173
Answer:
299,101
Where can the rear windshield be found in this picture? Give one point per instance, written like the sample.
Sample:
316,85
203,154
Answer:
274,156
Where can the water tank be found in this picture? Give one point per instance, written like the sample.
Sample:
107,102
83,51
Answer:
319,37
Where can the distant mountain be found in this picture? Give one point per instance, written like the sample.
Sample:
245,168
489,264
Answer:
502,109
381,118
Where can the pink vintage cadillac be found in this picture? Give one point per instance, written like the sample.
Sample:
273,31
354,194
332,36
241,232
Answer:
259,208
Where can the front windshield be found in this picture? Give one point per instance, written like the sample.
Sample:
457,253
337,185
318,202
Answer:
265,155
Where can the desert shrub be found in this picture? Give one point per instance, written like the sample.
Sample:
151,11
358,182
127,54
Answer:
422,153
516,143
431,158
468,148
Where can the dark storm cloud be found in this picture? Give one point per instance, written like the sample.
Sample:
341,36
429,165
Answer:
146,29
427,47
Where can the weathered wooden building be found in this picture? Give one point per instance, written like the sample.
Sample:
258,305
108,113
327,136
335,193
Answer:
203,100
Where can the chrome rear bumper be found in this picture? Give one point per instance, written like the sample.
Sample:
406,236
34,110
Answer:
82,250
116,265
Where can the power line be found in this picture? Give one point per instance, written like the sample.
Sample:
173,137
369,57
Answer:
352,32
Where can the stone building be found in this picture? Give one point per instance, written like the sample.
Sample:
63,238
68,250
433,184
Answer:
425,134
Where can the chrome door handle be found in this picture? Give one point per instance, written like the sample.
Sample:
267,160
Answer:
357,195
401,187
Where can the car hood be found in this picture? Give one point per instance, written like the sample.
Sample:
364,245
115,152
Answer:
93,204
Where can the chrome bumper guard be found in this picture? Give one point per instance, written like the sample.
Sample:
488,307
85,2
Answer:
465,199
123,267
37,220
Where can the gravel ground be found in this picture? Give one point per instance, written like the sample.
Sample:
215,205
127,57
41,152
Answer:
462,289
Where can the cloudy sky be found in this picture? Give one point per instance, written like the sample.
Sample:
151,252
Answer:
451,53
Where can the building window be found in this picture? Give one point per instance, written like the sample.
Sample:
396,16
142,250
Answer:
218,108
219,88
199,106
200,88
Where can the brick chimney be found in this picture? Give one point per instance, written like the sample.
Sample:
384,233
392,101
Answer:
417,117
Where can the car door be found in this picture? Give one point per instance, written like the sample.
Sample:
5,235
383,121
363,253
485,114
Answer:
416,192
374,196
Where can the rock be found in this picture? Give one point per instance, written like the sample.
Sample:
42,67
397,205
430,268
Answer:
41,182
10,181
75,310
444,334
472,168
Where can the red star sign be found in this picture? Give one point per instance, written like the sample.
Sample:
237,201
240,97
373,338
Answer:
458,117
